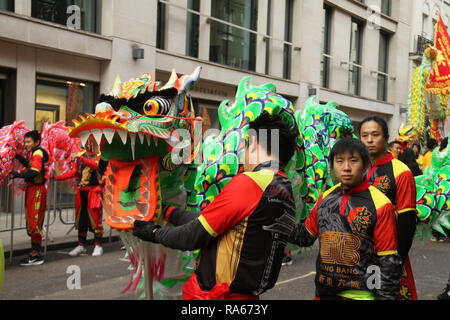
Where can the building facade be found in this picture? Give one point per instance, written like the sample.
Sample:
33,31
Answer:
56,57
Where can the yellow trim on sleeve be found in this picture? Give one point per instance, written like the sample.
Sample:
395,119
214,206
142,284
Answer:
34,169
314,235
399,167
406,210
207,227
262,178
386,253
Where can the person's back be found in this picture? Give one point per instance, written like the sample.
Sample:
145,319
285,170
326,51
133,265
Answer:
243,232
408,157
426,162
248,254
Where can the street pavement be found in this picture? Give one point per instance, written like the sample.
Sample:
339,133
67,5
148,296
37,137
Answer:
103,278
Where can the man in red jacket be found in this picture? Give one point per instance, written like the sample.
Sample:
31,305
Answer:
35,195
243,233
396,181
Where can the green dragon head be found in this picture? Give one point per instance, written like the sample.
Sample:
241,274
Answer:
223,153
134,126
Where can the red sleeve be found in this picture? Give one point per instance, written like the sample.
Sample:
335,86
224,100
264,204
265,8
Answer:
93,164
311,221
235,202
67,175
385,233
406,192
36,161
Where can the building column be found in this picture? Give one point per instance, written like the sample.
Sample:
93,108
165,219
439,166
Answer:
340,50
276,45
26,85
128,26
205,31
263,17
23,7
176,27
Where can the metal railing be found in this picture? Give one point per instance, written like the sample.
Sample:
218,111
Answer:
60,207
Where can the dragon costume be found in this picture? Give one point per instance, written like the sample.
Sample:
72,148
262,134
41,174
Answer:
426,111
150,138
138,127
433,193
62,150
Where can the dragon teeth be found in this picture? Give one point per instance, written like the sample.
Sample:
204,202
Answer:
141,137
123,135
109,134
97,135
133,145
84,136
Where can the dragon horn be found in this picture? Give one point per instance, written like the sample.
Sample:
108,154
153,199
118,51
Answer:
186,82
117,87
244,86
173,79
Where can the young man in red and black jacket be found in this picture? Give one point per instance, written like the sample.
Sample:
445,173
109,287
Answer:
396,181
243,233
35,194
355,225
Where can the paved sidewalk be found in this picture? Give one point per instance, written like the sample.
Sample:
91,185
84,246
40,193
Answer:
60,235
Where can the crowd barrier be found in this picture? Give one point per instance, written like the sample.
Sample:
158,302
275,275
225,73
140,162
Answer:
60,210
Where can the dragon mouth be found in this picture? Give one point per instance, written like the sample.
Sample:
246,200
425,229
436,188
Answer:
112,133
132,192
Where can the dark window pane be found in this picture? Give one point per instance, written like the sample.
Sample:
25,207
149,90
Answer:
161,26
386,7
192,29
229,45
383,66
355,58
7,5
57,11
289,16
326,47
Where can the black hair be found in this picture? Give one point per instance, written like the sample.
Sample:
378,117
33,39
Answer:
350,145
431,144
394,142
408,157
35,135
417,145
287,136
444,144
378,120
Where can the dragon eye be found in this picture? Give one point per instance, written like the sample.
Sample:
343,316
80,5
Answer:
157,106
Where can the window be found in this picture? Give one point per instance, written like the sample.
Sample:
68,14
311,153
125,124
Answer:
57,11
229,45
161,26
424,25
383,62
354,85
63,99
326,48
267,40
7,5
287,61
192,29
7,97
386,6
